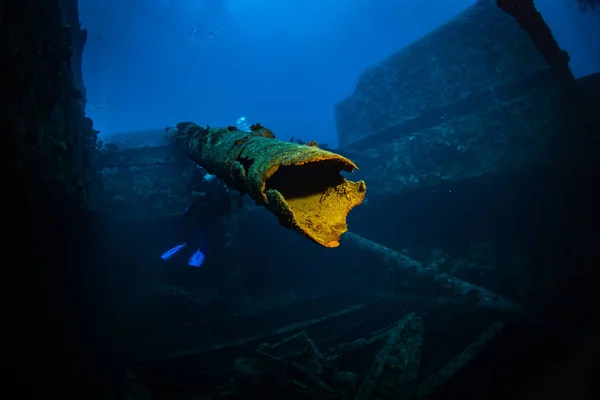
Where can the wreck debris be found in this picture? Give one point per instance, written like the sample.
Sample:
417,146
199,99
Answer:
273,333
341,350
288,347
300,184
403,375
303,360
341,331
384,365
295,363
393,371
401,359
429,385
484,297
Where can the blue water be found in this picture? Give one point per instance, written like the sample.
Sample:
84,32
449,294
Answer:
149,64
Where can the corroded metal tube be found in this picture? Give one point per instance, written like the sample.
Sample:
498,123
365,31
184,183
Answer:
482,297
300,184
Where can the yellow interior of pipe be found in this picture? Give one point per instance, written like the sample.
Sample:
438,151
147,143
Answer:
318,196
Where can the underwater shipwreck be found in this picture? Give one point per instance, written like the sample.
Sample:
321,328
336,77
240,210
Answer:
415,323
505,118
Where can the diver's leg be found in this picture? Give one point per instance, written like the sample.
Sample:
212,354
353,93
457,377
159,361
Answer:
196,238
184,234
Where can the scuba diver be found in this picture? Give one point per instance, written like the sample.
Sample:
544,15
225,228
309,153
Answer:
211,199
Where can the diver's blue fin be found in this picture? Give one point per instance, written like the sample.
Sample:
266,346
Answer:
170,253
196,259
187,209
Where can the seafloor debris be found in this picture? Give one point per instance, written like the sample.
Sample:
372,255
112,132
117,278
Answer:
388,366
384,365
249,340
324,357
433,382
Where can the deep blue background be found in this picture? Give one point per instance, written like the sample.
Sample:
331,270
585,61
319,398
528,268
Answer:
284,63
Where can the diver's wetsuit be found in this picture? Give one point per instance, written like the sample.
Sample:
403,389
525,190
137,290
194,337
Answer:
211,199
206,230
